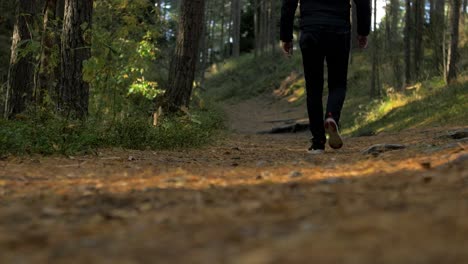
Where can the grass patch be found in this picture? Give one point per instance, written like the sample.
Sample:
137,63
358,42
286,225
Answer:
434,104
52,135
249,76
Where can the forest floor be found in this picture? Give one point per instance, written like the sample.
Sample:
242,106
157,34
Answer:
245,199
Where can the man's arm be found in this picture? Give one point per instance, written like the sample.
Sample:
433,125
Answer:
364,16
288,10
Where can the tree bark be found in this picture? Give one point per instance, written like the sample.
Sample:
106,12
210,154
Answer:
48,71
222,49
407,43
394,43
375,86
418,36
20,84
236,7
437,27
182,72
75,49
455,35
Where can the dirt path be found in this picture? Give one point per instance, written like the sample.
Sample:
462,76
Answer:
249,199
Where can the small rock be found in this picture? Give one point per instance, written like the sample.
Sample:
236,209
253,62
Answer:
381,148
295,174
426,165
427,179
265,174
52,211
333,180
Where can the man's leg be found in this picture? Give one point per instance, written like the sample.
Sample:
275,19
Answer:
338,47
313,58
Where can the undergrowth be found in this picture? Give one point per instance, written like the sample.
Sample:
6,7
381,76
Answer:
47,134
249,76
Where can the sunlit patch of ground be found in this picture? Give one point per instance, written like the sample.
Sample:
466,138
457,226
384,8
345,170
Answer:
248,199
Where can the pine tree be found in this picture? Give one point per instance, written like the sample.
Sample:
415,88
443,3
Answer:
75,49
183,65
20,84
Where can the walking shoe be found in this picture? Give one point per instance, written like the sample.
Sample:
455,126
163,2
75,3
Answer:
331,128
316,149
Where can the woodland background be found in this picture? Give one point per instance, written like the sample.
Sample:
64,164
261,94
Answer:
77,75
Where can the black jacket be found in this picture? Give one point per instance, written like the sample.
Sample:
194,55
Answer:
324,12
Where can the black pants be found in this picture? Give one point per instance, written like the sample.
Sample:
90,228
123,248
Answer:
333,45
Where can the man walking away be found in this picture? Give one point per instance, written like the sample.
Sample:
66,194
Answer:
325,35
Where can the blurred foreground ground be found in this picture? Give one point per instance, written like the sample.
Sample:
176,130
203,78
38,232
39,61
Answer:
248,199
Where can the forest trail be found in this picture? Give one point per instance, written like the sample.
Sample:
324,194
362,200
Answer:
247,199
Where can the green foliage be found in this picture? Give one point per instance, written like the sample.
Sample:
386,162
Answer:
124,62
47,134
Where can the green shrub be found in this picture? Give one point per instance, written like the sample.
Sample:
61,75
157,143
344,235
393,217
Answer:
53,135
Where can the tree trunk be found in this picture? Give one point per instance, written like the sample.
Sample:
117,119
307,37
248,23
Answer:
454,56
182,72
236,7
437,34
256,7
203,52
375,87
221,42
407,40
48,71
20,84
273,26
394,43
418,37
76,40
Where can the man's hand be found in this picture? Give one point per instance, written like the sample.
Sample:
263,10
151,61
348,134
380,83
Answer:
288,48
363,42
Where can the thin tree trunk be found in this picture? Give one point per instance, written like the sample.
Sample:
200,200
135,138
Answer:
455,35
76,41
256,8
394,41
236,27
182,72
273,26
375,50
48,69
20,85
203,53
418,37
407,40
221,42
